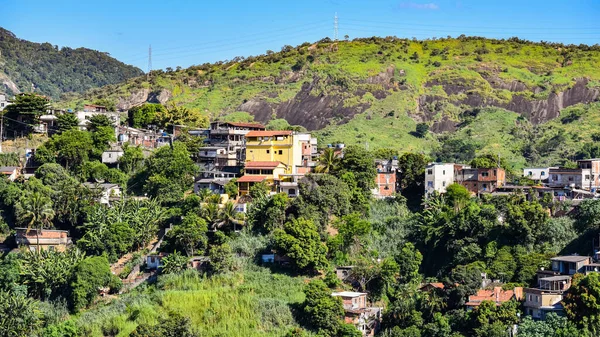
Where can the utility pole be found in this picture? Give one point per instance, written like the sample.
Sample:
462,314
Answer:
149,62
335,27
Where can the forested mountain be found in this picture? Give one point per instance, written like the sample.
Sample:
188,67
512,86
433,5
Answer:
476,95
54,71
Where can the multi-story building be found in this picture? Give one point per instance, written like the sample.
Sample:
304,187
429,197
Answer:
552,283
288,154
366,319
480,180
438,176
225,148
385,180
574,178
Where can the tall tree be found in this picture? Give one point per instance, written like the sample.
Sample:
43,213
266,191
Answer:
25,111
35,210
328,161
300,241
67,121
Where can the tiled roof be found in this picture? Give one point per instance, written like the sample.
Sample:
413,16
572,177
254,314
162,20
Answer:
268,133
43,234
262,164
438,285
251,179
570,258
8,169
496,295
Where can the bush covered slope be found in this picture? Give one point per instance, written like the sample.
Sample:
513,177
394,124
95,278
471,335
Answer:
375,91
55,71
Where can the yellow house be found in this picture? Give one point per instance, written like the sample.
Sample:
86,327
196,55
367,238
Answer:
260,171
274,146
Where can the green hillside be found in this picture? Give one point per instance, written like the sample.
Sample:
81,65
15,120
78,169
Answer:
374,91
54,71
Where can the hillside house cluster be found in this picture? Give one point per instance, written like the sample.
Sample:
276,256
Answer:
438,176
250,153
562,183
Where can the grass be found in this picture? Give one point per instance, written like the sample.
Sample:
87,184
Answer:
252,302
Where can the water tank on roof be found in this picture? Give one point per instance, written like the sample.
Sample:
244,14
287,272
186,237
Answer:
340,146
69,110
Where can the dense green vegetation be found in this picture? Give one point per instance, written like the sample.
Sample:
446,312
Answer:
55,71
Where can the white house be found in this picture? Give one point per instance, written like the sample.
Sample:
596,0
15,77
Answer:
537,173
4,102
10,172
111,156
108,191
438,176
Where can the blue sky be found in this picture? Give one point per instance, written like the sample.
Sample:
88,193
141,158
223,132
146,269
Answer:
183,33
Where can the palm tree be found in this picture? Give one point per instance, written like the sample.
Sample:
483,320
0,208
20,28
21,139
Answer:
204,194
327,161
229,216
37,213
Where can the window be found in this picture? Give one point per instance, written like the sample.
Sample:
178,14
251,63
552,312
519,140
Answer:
570,178
444,172
1,105
531,173
484,187
386,187
587,177
429,171
444,183
485,174
430,184
543,173
268,151
280,151
495,173
530,297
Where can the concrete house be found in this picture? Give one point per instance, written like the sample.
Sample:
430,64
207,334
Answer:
112,155
107,192
49,239
438,176
480,180
366,319
537,173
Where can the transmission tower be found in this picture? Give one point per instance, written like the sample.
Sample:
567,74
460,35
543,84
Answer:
335,27
149,62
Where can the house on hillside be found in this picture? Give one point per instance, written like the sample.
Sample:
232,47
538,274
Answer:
10,172
537,173
480,180
112,155
438,176
4,102
385,180
356,312
106,192
496,295
48,239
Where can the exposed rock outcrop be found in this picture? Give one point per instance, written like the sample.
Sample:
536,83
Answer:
142,96
307,109
536,111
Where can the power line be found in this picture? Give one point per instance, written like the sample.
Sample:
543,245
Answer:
411,24
215,43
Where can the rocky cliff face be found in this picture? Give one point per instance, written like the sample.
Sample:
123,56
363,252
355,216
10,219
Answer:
142,96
